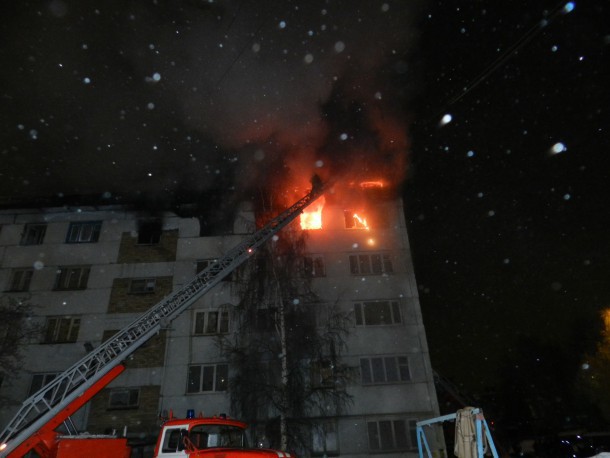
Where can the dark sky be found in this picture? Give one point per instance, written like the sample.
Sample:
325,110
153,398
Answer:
506,199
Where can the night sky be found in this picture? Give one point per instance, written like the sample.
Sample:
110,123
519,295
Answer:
501,108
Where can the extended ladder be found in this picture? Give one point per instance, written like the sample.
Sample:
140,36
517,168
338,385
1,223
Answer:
43,405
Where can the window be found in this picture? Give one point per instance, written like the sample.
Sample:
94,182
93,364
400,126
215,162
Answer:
41,380
384,369
85,232
142,285
33,234
124,398
323,374
377,313
375,264
216,322
313,266
149,233
354,220
387,435
203,264
214,377
325,439
61,329
20,279
72,278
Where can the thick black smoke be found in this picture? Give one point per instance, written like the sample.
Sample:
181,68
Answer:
181,97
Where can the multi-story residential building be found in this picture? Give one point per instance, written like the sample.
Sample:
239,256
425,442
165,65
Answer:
89,271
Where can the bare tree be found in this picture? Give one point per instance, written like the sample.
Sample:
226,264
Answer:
286,351
16,329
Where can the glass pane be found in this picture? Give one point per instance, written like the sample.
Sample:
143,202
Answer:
378,373
403,367
364,265
222,377
194,379
73,333
199,320
358,313
385,434
365,371
396,312
376,263
400,434
377,313
50,333
353,264
387,264
391,369
224,322
373,436
208,379
212,323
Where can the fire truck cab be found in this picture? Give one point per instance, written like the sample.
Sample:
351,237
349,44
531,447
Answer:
207,437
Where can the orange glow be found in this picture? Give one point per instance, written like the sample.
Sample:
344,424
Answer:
372,184
361,222
311,218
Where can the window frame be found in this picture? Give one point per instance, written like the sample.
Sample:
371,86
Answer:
366,264
223,322
131,391
53,336
394,309
320,438
377,437
149,232
33,234
46,378
78,232
21,284
219,383
353,221
149,285
314,266
63,279
375,370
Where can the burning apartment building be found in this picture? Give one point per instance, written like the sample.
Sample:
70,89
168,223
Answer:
317,341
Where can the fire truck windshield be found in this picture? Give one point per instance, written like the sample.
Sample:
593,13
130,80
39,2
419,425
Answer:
208,436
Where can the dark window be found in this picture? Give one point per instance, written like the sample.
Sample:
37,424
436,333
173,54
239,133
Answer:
384,369
313,266
39,381
213,377
33,234
322,374
377,313
325,439
84,232
61,329
365,264
142,285
72,278
124,398
20,280
387,435
216,322
149,232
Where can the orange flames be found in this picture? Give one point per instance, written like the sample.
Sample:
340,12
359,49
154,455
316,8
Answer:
311,218
360,222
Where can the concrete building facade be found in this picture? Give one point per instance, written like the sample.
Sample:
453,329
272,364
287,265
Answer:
89,271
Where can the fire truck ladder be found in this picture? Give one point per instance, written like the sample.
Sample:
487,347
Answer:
43,405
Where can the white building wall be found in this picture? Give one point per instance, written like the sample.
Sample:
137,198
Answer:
412,400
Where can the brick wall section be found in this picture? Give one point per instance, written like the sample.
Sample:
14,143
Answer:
164,251
143,419
122,301
151,354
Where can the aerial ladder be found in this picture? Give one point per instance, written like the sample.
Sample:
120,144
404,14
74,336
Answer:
51,406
